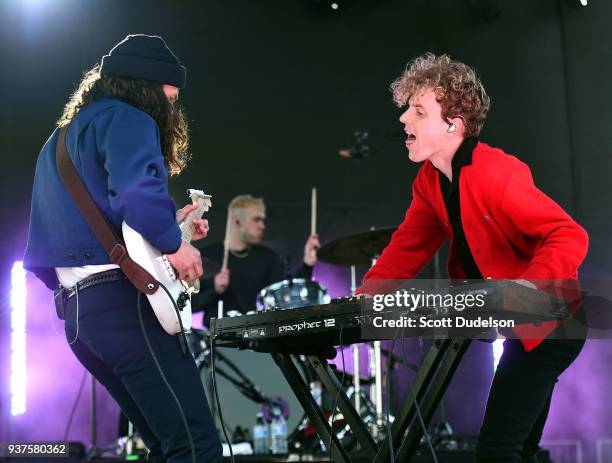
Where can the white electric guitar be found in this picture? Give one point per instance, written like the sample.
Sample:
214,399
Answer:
141,251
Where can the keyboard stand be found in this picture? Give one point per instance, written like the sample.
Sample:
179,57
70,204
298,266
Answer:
429,386
313,411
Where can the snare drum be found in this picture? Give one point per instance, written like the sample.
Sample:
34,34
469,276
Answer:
291,294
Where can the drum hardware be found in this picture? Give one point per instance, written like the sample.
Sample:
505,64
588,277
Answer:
291,294
356,376
356,249
198,343
362,249
376,390
245,386
356,351
225,367
129,445
376,372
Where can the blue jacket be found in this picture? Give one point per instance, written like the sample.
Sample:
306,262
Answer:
115,148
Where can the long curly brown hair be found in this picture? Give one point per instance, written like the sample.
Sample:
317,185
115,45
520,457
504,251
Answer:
145,95
456,86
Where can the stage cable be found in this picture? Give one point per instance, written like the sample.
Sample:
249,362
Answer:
52,305
216,391
418,410
161,372
80,391
331,427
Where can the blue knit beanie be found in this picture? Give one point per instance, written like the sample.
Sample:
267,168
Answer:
146,57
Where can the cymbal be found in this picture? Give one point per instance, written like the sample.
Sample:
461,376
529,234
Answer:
356,249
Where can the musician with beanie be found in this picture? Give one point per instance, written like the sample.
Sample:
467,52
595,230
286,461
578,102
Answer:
126,134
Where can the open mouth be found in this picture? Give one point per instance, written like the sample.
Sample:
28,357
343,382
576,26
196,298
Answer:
410,139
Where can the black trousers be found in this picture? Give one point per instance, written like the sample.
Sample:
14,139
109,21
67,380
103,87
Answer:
520,397
108,341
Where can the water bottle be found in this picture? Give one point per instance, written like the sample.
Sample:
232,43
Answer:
278,432
316,389
260,435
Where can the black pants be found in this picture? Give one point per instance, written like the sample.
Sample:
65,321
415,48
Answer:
520,399
111,345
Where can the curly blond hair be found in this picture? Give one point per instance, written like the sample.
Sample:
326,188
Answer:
456,86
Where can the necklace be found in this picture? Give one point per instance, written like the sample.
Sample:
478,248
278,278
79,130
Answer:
240,254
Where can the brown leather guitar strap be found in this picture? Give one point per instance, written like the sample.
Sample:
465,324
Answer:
107,236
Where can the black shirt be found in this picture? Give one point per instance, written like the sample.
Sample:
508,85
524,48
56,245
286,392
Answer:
250,272
450,193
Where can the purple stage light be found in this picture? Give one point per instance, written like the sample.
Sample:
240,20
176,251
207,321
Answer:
18,339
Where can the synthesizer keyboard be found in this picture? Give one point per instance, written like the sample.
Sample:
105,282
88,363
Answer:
349,320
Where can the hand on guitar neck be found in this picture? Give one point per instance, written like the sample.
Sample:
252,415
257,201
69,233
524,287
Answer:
187,260
199,226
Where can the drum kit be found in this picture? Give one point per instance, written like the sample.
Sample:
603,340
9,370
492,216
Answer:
247,378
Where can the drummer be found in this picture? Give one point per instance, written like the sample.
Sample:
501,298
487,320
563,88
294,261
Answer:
250,266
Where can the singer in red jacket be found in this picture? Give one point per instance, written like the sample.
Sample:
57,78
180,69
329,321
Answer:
500,226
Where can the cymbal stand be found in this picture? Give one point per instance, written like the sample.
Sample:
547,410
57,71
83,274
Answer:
444,429
376,387
356,352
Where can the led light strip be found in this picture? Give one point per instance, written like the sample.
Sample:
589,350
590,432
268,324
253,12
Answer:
18,339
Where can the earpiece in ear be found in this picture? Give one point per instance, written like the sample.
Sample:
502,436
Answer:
452,128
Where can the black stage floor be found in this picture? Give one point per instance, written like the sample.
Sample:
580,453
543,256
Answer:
443,456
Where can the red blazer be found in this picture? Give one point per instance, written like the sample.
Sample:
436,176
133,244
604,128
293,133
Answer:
513,229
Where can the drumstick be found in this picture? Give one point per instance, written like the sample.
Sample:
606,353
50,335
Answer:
226,240
313,212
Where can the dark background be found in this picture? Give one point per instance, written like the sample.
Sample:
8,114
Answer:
277,87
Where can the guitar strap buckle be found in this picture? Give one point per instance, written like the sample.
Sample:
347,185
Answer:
117,254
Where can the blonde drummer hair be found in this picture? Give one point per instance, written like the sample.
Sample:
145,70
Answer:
241,202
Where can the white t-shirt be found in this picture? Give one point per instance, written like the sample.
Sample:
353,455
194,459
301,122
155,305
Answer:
69,276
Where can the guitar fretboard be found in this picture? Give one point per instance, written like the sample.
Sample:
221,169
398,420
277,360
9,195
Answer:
204,203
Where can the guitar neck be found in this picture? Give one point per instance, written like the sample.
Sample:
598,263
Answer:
203,201
187,227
